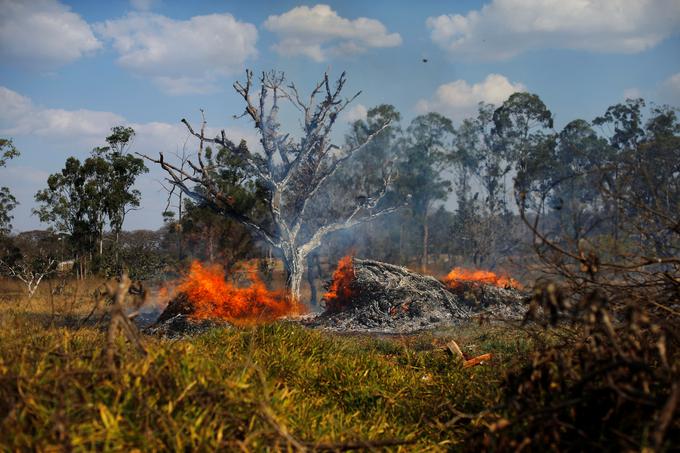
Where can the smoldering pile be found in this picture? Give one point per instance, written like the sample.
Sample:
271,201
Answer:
364,296
372,296
178,320
204,299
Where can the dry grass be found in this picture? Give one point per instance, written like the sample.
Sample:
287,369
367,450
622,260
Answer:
265,388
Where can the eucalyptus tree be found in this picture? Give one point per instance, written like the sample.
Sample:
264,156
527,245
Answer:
481,219
208,232
84,197
365,172
424,157
642,182
574,181
294,171
623,126
487,158
7,201
122,171
523,126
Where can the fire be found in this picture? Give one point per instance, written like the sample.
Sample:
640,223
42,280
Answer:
459,276
340,293
213,297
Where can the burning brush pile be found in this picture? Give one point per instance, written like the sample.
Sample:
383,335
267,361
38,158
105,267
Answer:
364,295
205,299
367,295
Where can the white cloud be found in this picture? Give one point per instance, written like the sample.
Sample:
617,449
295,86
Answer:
43,34
670,90
37,129
358,112
505,28
181,56
88,128
459,99
19,116
319,32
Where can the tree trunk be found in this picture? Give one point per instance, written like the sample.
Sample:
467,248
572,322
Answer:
311,278
179,228
426,238
294,267
211,247
401,243
117,246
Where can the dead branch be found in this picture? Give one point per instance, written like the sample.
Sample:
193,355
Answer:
120,321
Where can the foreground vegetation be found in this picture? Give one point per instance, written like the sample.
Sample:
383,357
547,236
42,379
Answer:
266,387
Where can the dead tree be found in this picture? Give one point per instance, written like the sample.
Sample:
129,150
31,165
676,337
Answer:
30,274
293,171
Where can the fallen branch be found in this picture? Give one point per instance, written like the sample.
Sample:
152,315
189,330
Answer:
477,360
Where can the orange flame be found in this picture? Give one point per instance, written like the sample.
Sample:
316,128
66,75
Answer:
340,293
213,297
459,276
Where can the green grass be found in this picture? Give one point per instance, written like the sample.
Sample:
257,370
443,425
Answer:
262,388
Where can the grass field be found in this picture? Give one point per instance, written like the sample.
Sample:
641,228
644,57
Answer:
271,387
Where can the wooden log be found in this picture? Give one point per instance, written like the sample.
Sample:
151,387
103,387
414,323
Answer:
477,360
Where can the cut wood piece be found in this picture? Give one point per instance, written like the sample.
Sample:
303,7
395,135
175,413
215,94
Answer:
455,351
477,360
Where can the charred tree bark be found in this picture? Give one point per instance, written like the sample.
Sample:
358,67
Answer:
426,239
293,264
312,275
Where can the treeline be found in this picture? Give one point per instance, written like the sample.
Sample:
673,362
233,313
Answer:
505,161
509,160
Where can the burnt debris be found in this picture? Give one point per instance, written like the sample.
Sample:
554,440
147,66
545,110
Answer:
383,297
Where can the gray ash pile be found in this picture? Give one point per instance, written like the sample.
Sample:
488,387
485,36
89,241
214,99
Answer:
372,296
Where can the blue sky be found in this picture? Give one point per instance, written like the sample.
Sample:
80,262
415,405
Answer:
72,69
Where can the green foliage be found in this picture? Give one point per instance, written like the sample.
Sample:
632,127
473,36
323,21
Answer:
7,201
624,123
422,160
69,203
368,167
7,151
573,183
83,197
523,126
236,387
205,230
122,171
141,254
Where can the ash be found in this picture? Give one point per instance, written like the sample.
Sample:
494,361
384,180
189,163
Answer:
392,299
176,321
